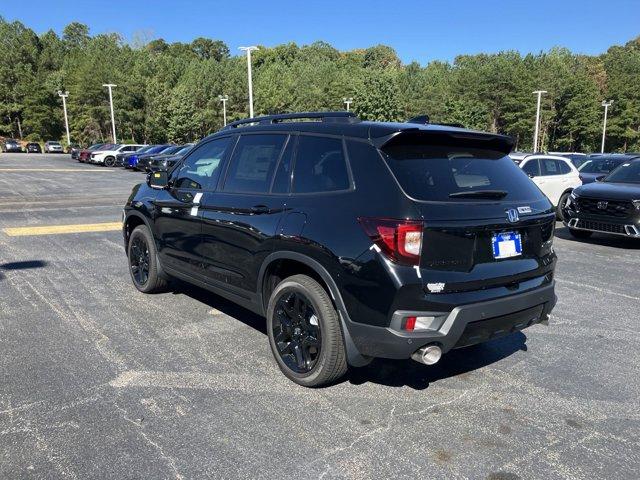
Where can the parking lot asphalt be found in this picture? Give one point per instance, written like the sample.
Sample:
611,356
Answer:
100,381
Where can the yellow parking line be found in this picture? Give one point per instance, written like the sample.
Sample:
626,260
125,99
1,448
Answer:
58,229
57,170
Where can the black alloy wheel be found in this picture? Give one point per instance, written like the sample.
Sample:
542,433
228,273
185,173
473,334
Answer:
139,260
296,331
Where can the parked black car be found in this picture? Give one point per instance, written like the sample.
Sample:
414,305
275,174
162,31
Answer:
609,205
11,146
166,162
33,147
75,150
601,165
354,239
145,160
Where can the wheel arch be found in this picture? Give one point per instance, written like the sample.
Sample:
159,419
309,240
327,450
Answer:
317,271
134,219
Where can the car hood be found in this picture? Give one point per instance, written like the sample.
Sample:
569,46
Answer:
610,191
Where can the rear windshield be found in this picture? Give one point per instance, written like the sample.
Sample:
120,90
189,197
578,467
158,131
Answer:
448,173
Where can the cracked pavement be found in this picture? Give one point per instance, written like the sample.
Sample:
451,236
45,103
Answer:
100,381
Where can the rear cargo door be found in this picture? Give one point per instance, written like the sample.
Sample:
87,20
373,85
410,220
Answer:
485,222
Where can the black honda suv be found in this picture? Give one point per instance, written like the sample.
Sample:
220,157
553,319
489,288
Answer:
354,239
609,205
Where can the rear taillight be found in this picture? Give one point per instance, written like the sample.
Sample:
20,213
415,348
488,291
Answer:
400,240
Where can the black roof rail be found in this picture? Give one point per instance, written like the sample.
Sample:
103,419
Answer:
329,117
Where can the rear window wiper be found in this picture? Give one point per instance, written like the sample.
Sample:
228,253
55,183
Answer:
479,194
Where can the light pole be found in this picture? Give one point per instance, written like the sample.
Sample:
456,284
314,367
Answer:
113,121
223,99
347,101
606,106
249,50
535,135
64,96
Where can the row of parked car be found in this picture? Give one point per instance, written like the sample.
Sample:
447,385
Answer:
146,158
591,193
11,145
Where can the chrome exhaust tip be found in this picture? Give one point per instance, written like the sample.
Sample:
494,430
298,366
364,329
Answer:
427,355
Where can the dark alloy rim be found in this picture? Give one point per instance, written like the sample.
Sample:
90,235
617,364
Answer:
296,332
139,260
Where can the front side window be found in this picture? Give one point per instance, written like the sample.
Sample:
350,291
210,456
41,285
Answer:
253,163
320,165
201,169
532,168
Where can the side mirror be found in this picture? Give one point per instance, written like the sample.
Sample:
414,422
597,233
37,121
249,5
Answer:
600,178
158,180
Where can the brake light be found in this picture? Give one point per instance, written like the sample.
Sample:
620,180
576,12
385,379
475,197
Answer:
399,240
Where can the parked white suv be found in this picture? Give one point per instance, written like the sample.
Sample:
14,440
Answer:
108,157
555,176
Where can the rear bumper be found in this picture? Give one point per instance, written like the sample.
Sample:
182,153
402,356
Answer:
463,326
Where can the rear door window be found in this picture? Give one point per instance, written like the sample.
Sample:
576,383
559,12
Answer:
253,163
320,165
564,168
432,172
550,167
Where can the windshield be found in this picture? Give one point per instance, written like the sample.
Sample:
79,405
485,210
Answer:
184,150
156,149
628,172
600,165
454,173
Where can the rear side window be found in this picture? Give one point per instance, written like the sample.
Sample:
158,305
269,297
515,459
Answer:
253,163
431,172
564,168
550,167
320,165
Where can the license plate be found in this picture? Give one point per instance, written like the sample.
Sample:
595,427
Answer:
506,245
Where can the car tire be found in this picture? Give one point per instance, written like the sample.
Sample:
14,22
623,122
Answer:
109,162
143,261
295,335
561,204
580,233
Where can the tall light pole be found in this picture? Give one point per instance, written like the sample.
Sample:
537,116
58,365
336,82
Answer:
223,99
606,106
347,101
535,135
113,121
249,50
64,96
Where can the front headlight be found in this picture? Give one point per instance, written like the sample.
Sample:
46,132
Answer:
636,203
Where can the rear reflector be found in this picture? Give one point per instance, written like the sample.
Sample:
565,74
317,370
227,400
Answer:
399,240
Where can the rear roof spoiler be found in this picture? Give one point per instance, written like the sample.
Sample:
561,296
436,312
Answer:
444,135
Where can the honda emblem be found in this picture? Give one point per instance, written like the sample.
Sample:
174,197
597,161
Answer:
512,215
603,205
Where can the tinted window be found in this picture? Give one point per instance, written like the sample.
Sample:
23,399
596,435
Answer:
254,162
532,168
628,172
564,168
201,169
320,165
434,172
550,166
282,180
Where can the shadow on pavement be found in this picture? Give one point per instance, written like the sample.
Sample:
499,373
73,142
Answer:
392,373
26,265
603,239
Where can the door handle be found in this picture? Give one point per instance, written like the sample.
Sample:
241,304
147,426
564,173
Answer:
259,209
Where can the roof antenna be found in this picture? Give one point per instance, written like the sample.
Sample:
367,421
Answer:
420,120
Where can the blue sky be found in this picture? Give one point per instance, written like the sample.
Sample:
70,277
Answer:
418,30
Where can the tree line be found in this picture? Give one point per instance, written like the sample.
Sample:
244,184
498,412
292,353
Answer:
169,91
